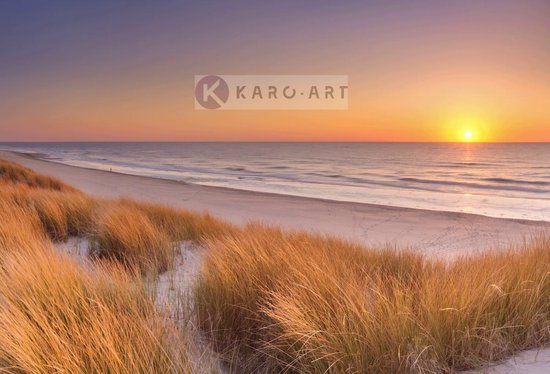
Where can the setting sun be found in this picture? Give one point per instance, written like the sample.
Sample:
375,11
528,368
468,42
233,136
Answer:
474,127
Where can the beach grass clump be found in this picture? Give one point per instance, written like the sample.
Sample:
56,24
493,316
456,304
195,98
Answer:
20,227
125,234
61,213
247,277
321,325
180,224
302,303
64,214
62,210
59,316
12,173
487,307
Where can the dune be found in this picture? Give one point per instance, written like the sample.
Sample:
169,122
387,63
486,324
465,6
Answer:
437,235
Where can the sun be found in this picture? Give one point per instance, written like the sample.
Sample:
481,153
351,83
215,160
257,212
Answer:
467,128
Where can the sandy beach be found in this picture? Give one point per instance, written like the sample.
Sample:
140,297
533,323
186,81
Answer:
445,235
275,187
442,235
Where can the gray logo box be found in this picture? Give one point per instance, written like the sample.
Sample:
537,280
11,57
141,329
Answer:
271,92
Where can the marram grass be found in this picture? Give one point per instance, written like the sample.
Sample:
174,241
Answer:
300,303
268,300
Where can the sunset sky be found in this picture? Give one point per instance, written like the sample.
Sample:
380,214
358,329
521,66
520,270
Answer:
418,70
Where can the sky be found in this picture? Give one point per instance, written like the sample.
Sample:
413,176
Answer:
418,70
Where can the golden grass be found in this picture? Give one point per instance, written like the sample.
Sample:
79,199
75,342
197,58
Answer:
20,227
139,235
180,224
276,301
16,174
63,211
73,209
127,235
145,236
58,316
302,303
62,214
484,308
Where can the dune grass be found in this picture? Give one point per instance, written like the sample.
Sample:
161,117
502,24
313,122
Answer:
180,224
139,235
300,303
20,227
61,213
145,236
271,301
58,316
127,235
16,174
63,210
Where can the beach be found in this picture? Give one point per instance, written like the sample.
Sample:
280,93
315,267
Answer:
437,234
275,187
183,279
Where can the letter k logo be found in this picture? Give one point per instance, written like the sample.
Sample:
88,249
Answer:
211,92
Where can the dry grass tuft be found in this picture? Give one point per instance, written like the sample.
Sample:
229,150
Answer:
125,234
484,308
180,224
57,316
20,227
13,173
302,303
62,214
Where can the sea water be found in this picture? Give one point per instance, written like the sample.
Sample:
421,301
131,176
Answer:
499,180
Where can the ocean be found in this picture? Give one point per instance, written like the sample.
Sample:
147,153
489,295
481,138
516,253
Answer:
498,180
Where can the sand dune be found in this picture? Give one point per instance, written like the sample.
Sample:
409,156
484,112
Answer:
438,234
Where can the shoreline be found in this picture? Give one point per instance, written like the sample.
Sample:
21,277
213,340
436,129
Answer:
435,233
37,156
520,197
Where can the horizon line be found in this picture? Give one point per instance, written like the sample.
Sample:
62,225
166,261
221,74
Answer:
267,141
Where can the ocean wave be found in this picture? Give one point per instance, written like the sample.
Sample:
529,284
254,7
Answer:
233,168
278,167
516,181
473,185
465,164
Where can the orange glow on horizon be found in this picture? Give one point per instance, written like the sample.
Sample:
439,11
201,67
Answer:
415,75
